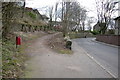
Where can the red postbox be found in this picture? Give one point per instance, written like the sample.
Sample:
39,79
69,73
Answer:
18,40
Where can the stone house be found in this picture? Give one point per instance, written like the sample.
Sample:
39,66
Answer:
96,27
27,21
40,16
101,27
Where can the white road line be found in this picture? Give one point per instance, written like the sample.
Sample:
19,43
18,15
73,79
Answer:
104,43
100,65
91,57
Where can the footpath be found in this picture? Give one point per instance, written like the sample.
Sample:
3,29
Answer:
45,63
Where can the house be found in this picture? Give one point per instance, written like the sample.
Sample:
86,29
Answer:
117,26
45,18
40,16
96,27
100,27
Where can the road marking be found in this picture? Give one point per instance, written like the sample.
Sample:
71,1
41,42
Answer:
91,57
100,65
105,43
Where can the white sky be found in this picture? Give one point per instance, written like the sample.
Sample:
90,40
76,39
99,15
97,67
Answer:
88,4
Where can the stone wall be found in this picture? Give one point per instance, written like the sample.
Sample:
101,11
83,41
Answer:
0,19
110,39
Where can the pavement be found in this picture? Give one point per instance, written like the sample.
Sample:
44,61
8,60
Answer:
45,63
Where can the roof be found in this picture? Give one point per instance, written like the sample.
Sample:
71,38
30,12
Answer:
117,18
44,17
29,8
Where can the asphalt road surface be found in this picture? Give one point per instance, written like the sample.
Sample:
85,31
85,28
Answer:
106,55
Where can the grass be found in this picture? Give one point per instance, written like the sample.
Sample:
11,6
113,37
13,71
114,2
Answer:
65,51
62,49
74,35
0,58
58,44
13,59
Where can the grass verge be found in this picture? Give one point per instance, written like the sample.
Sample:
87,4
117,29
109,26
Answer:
57,43
13,59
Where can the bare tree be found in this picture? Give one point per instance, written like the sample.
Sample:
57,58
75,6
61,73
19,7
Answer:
65,8
72,12
50,16
105,9
83,18
90,20
56,8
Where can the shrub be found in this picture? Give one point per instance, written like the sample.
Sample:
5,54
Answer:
32,15
111,31
95,32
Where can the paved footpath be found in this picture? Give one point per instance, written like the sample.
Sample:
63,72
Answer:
45,63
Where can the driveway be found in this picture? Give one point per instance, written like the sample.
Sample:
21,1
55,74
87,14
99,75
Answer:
106,55
45,63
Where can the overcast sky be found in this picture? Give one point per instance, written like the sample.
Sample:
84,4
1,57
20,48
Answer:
88,4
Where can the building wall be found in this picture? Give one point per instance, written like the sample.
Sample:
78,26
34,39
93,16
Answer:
96,27
117,27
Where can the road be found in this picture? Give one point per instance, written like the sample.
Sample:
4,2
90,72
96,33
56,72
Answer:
106,55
